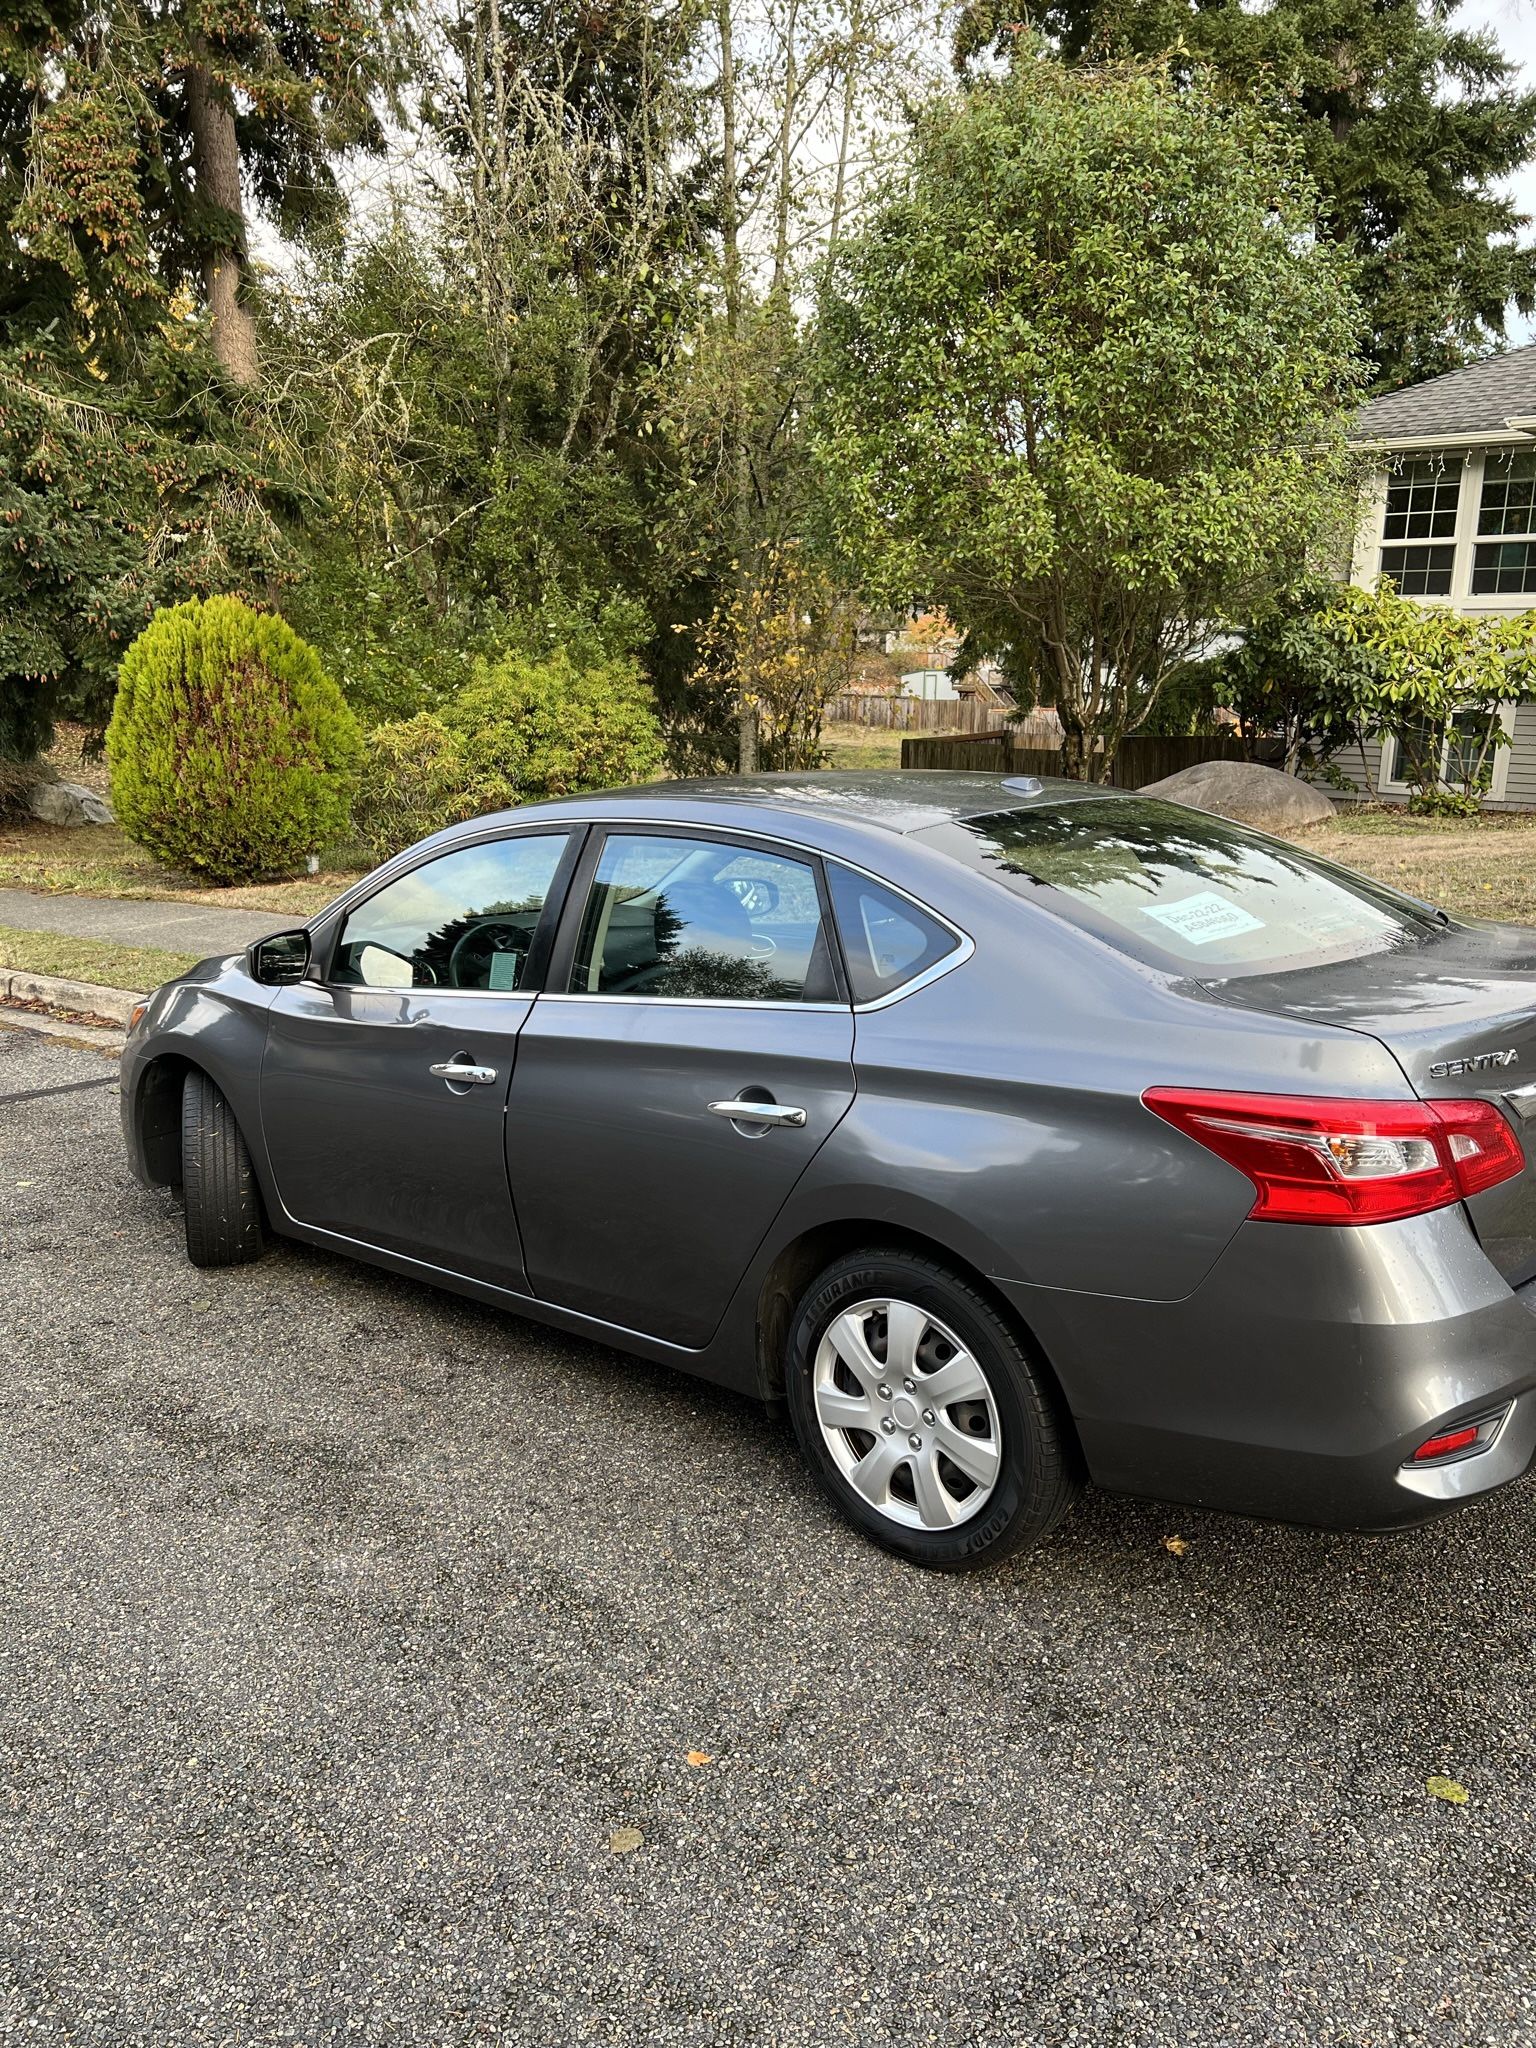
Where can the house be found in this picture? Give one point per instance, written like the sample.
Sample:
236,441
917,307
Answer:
1451,518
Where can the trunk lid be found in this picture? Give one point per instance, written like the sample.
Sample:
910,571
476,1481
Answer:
1458,1013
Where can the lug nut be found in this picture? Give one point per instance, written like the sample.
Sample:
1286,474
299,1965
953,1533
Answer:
910,1385
928,1417
887,1425
883,1391
915,1441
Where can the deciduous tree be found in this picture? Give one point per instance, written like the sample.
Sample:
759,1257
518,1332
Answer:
1086,381
1410,121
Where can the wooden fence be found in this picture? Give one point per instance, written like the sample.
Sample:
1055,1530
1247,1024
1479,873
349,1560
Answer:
1137,762
916,714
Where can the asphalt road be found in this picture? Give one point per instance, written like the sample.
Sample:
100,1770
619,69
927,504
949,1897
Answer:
341,1625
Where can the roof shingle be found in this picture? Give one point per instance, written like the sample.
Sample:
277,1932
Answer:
1476,400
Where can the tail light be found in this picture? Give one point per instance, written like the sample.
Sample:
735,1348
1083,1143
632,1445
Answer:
1327,1159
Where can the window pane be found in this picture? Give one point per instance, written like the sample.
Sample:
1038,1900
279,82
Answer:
1509,494
464,920
1417,744
699,918
1503,565
1421,501
1468,752
887,941
1420,572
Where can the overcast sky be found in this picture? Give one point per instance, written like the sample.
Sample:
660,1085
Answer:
1514,24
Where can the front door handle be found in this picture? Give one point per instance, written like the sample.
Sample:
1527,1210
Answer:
766,1113
456,1070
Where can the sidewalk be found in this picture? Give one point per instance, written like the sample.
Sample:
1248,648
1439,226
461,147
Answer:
174,927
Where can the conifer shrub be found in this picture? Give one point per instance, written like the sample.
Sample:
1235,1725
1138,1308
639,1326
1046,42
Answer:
232,753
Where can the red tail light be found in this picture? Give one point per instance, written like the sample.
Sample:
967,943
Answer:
1328,1159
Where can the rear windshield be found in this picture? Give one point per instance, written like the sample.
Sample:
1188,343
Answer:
1181,889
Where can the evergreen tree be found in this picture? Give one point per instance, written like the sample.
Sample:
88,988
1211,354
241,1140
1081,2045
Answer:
131,132
1408,124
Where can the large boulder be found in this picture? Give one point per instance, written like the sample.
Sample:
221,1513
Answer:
1251,794
68,803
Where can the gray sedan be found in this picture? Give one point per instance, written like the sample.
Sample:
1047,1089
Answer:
1008,1132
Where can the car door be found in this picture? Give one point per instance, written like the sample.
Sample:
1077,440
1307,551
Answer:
384,1081
693,1052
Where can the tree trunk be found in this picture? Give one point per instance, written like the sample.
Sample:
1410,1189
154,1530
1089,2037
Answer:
216,169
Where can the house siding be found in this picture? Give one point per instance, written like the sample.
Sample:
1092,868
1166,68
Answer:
1468,460
1363,767
1520,782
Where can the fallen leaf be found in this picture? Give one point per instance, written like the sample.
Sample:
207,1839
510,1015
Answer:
1448,1790
1176,1544
699,1756
622,1840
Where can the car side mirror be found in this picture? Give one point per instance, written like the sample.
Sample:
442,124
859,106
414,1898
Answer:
281,959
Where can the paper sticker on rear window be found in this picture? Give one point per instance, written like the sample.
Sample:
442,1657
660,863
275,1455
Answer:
1200,919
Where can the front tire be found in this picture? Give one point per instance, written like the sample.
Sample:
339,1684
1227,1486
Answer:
223,1203
922,1414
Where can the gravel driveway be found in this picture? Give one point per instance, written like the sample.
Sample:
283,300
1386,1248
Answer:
344,1624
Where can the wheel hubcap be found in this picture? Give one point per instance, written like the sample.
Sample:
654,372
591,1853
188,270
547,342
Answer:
907,1414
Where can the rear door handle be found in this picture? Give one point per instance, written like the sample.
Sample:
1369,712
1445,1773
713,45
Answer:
759,1113
455,1070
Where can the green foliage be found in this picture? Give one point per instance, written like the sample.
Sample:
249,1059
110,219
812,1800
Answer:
534,729
522,729
115,500
1433,680
1411,125
231,751
473,495
103,204
1086,381
414,781
1296,673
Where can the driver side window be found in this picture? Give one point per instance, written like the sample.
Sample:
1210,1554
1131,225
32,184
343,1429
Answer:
465,920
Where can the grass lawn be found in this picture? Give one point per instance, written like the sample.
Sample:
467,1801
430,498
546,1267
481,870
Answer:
99,860
854,748
1484,867
98,960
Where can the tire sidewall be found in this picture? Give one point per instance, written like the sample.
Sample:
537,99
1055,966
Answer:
890,1276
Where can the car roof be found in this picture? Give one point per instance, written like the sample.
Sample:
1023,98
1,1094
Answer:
896,800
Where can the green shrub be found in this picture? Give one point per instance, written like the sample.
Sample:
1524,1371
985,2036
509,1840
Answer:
521,730
231,751
414,781
534,729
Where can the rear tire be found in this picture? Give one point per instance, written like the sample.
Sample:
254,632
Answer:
223,1202
922,1414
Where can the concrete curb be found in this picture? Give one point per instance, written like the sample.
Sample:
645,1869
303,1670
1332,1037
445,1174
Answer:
87,997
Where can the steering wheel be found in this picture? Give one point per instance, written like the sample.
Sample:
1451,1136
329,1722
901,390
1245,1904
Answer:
469,963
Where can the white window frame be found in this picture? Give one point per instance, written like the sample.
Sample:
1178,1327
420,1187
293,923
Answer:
1469,486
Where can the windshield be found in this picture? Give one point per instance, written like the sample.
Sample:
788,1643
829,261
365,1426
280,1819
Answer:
1182,889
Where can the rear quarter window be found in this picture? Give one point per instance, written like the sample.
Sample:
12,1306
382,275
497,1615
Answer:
1184,890
888,940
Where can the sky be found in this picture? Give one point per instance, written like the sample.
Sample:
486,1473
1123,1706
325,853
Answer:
1513,22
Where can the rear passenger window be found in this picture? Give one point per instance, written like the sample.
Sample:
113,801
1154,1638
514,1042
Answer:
700,919
887,940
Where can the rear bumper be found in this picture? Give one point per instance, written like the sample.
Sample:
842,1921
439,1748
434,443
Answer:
1299,1379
